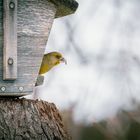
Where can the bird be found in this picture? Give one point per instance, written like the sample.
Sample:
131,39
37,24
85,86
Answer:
48,62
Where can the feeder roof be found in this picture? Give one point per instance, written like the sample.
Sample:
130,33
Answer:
65,7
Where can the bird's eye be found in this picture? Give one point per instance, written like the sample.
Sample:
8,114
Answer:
58,57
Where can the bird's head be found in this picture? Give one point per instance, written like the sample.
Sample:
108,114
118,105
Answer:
56,58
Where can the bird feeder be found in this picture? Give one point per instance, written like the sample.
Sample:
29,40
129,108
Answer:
24,30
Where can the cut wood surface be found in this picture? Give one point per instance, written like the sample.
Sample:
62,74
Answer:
23,119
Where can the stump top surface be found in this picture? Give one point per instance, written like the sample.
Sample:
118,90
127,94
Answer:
65,7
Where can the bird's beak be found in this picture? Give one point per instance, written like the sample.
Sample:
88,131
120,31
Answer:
63,60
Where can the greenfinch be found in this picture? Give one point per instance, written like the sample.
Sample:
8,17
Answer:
50,60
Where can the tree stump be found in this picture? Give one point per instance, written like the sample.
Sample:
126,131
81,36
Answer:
23,119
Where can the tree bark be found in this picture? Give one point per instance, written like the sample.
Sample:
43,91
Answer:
22,119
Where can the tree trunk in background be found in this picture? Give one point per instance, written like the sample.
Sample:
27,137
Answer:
22,119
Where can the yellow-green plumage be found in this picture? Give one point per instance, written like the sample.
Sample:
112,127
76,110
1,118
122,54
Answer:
49,61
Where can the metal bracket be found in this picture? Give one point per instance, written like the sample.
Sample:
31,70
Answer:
10,39
40,80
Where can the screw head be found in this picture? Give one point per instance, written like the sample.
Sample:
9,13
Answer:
20,88
3,88
10,61
11,5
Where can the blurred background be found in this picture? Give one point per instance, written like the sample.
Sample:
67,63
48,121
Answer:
98,90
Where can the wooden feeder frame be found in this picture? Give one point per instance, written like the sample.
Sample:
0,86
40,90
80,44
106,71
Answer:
9,82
